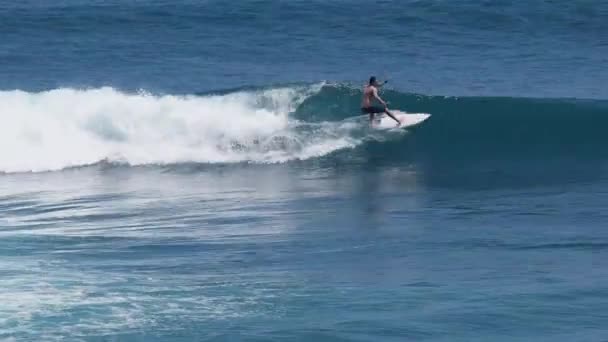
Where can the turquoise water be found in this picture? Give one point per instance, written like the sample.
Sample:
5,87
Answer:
200,171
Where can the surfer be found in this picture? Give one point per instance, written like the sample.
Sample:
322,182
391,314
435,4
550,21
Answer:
370,92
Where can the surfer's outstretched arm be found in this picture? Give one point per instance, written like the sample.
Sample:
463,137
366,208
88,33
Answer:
391,115
377,97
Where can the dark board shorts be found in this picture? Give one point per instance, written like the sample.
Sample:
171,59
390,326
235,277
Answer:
372,110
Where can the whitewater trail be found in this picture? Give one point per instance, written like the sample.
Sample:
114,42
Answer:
63,128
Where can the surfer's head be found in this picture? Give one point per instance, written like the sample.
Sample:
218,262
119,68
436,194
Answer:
372,81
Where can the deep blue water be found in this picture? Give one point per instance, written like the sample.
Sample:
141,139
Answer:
521,48
200,171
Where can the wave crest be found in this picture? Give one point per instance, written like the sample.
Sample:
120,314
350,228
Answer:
66,127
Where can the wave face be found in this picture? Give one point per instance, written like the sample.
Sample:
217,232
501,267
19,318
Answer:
63,128
477,127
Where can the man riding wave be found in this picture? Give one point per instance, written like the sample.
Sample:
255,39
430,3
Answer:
370,92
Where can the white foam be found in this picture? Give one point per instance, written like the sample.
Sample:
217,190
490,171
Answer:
60,128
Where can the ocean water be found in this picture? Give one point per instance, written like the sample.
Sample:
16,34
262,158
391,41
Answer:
200,171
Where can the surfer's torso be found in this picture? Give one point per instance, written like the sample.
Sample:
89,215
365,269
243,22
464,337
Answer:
368,96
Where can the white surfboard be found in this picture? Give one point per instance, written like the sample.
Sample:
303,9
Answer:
407,120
